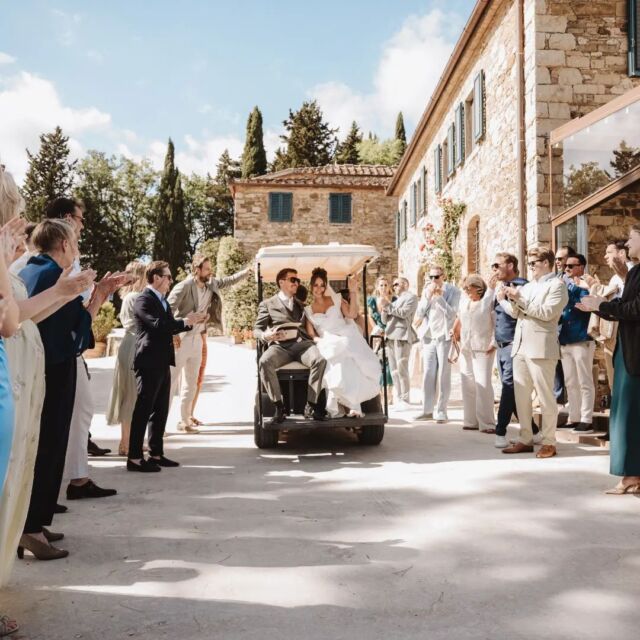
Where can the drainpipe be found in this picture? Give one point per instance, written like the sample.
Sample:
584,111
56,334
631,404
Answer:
521,153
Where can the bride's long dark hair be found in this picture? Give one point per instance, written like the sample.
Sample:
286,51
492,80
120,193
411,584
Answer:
321,273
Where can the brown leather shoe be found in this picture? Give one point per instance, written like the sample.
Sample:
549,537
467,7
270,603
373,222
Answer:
546,451
518,447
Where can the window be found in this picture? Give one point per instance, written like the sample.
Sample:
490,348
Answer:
634,34
340,208
414,204
451,150
459,135
468,125
397,229
473,246
420,198
437,169
478,107
424,191
280,207
403,222
444,158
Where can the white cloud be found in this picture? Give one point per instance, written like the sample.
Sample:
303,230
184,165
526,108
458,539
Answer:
5,58
407,73
30,106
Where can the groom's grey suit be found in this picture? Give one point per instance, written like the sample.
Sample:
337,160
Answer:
272,313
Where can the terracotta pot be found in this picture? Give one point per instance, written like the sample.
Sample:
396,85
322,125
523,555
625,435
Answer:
251,343
97,352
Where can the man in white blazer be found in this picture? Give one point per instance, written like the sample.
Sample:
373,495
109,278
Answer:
537,307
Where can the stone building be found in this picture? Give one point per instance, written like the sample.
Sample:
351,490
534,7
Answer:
318,205
521,69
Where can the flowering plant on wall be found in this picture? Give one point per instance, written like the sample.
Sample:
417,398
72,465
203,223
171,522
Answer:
437,244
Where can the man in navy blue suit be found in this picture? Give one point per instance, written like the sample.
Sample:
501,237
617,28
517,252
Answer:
154,357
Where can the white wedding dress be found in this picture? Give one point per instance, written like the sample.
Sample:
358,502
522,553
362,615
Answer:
353,371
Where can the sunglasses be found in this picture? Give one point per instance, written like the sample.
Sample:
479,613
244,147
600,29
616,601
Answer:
293,280
533,263
396,284
435,277
571,266
560,259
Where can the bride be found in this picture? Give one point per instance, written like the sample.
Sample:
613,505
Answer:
352,374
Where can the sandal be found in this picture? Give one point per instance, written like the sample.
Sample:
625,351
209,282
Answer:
620,490
196,421
487,430
469,428
7,626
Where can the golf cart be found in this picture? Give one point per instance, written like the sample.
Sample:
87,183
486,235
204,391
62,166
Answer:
340,261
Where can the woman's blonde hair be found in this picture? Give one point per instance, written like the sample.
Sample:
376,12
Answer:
49,235
137,269
475,281
11,200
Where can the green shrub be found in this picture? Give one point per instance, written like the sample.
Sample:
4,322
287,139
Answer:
240,302
104,322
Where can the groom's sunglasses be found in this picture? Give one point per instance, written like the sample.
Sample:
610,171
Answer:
293,280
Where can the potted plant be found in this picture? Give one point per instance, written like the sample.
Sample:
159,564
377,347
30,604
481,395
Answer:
103,323
237,335
249,340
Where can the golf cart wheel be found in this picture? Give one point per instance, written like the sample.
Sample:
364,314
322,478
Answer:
263,438
371,434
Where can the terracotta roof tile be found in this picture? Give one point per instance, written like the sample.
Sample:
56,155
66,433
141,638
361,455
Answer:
374,175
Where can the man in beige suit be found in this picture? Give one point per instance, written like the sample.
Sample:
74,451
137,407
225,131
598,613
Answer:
198,293
537,307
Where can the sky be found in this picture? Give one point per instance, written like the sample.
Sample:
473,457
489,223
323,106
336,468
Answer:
123,77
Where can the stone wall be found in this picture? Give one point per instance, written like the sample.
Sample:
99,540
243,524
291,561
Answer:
576,61
373,216
486,182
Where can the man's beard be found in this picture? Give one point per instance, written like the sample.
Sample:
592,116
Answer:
203,280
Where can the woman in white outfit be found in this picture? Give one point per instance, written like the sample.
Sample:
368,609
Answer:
352,374
474,330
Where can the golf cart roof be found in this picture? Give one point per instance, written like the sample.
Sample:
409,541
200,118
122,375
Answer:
339,260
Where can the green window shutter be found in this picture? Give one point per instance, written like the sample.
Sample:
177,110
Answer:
413,205
424,190
397,229
634,33
478,107
420,192
404,222
280,207
340,208
437,169
459,122
451,150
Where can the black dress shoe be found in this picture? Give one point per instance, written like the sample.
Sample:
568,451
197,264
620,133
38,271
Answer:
568,425
583,427
279,416
60,508
145,466
94,450
164,462
604,437
51,536
314,412
88,490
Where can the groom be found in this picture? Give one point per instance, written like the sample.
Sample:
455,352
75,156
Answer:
282,308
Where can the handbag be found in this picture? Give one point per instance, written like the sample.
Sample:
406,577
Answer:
454,352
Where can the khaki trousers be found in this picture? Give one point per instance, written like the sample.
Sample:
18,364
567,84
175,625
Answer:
577,365
537,374
184,376
398,352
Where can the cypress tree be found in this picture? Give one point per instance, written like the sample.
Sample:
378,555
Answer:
254,157
172,235
50,174
309,139
347,151
400,131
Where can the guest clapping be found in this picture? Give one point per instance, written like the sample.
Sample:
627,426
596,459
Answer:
537,308
474,331
625,402
434,320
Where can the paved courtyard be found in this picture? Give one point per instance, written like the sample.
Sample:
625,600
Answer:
432,535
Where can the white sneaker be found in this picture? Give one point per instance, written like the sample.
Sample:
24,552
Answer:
501,442
440,418
402,405
537,437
